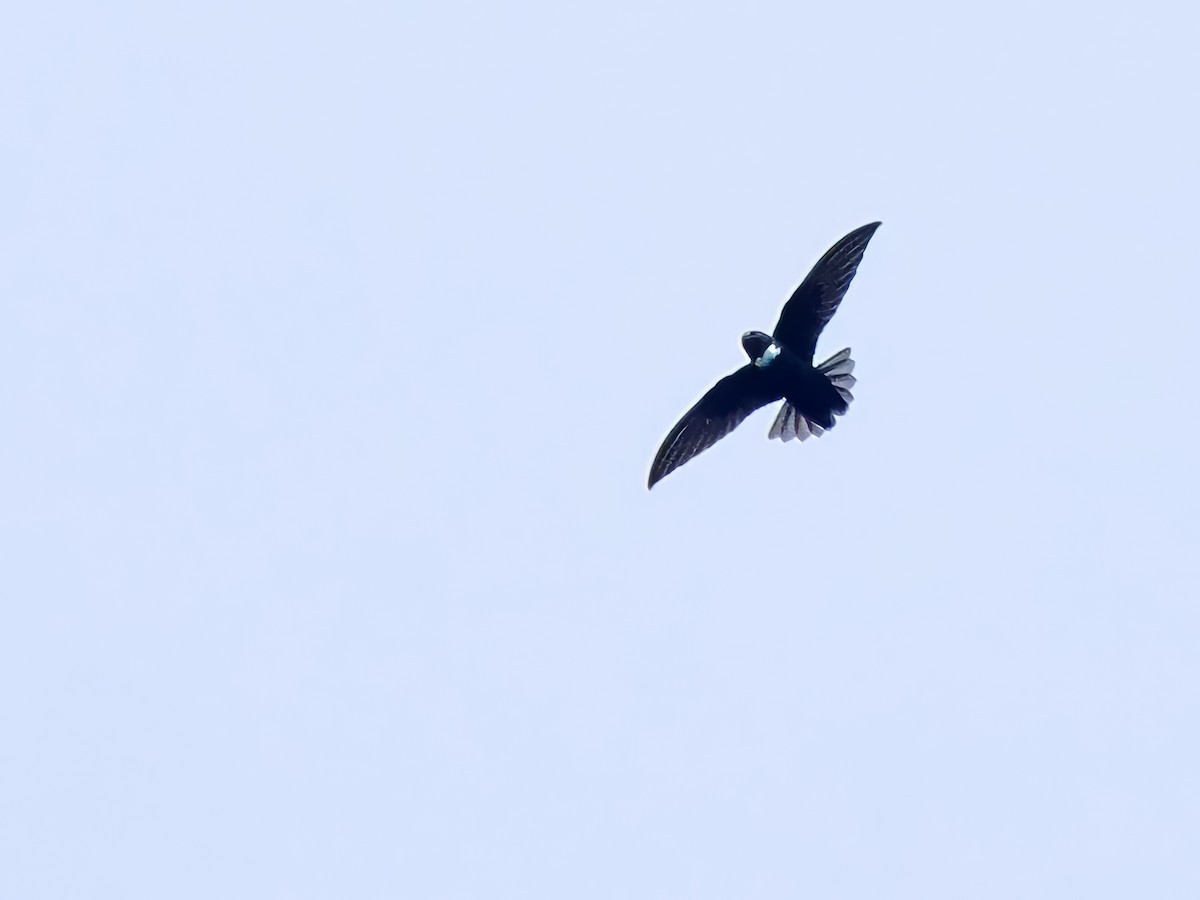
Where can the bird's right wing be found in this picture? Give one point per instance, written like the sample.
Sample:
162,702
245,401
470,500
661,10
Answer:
722,409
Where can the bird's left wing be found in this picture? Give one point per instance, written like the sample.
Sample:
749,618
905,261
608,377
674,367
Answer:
815,301
717,413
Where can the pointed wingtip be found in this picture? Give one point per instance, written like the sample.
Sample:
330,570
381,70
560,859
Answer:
862,232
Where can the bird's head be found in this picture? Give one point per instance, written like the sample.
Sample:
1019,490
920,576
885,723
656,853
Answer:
761,348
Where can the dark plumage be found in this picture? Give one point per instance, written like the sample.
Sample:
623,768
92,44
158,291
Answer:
780,368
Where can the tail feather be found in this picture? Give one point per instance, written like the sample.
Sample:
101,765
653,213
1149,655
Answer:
791,424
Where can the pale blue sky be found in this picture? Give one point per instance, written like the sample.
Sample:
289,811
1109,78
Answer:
335,344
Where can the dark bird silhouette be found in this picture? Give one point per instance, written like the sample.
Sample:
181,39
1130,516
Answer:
780,368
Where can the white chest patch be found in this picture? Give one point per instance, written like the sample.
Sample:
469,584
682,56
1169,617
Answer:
768,356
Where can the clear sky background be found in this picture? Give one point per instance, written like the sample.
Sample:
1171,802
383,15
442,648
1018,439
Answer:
335,344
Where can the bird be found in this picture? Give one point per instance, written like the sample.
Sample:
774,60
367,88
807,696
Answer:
780,368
